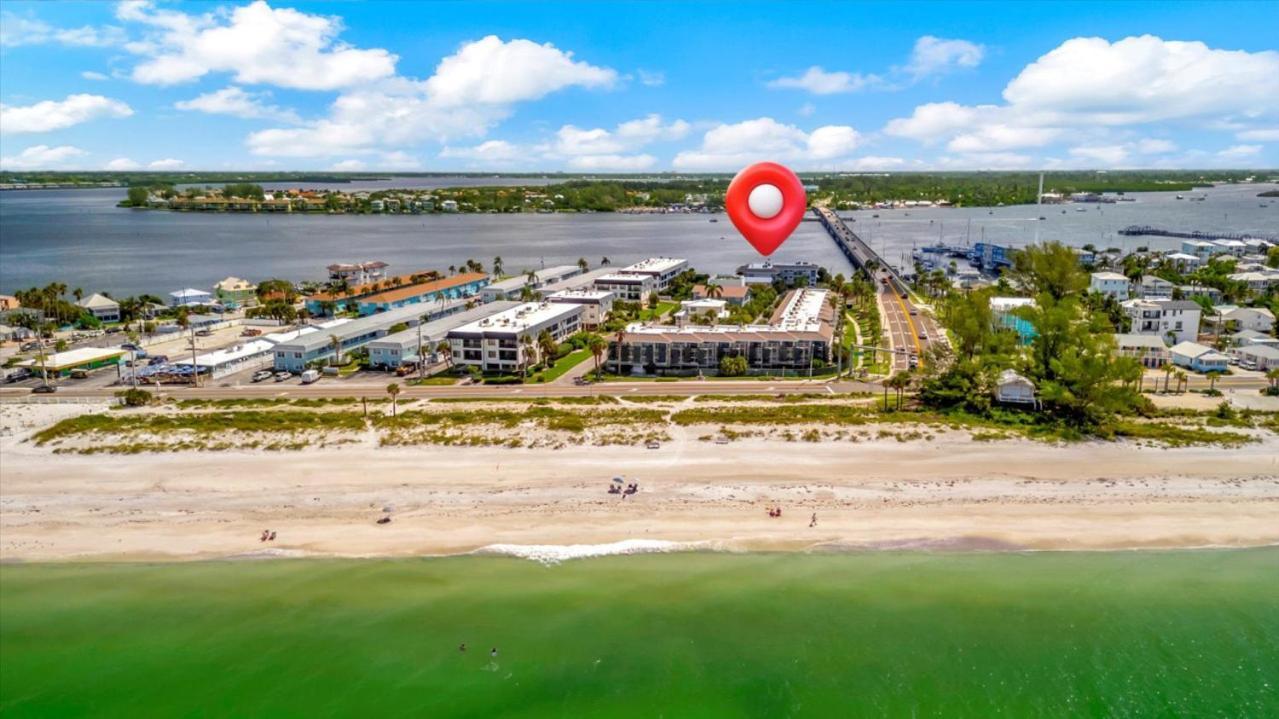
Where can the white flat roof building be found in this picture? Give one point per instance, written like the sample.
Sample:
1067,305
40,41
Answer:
597,303
629,288
661,269
295,354
509,288
395,349
494,343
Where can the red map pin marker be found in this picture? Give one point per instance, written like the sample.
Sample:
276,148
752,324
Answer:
766,203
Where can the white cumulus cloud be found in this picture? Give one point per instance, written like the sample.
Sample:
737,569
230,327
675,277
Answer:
491,71
58,114
733,146
936,56
1240,151
612,163
470,91
1092,87
168,163
820,82
122,163
256,43
1261,134
17,30
40,157
237,102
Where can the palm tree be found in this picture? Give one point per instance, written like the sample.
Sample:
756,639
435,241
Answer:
1183,381
78,294
1167,369
546,345
1272,377
527,348
446,349
900,382
713,290
393,389
621,335
604,262
497,266
1212,380
336,343
598,346
583,264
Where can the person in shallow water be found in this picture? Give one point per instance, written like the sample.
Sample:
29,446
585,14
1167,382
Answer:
493,653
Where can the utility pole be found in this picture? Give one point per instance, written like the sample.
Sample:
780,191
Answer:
421,352
195,376
44,370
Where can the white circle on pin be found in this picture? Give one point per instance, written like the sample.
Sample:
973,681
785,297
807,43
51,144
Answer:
765,201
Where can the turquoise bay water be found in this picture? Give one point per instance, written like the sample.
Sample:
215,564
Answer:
1128,634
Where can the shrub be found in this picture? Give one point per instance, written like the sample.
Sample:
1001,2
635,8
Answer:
135,397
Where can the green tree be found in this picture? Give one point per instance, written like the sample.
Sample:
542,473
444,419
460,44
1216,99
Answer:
733,366
597,346
1050,267
138,196
393,389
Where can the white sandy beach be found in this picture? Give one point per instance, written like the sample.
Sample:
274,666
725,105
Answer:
948,492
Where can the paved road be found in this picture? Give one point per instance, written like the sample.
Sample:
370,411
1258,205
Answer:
910,331
338,388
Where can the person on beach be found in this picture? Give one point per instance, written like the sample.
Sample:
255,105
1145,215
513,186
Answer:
813,522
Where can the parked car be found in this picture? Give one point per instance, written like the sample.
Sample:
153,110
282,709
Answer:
250,332
653,444
581,381
310,376
262,374
204,333
282,376
45,389
404,370
79,374
16,374
30,346
158,359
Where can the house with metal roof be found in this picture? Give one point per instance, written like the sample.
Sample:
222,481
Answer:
102,307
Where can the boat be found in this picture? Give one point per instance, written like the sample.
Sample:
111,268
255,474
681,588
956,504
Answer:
714,219
1042,217
1180,197
1079,209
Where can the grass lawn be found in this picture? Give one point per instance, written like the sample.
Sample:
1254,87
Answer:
890,634
663,309
562,365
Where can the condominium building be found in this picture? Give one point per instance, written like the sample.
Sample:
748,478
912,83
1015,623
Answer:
296,354
419,343
627,288
465,284
596,303
799,332
496,343
1174,320
661,269
512,287
790,273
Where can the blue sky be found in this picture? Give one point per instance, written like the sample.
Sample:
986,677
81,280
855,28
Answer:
637,86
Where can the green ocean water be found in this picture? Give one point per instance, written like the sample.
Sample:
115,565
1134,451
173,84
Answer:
1129,634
